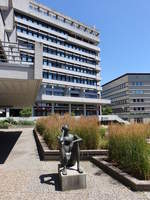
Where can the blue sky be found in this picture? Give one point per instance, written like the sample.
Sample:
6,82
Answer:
124,31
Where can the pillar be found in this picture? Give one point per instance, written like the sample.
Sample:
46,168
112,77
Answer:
100,109
7,112
53,111
84,109
52,90
70,109
82,93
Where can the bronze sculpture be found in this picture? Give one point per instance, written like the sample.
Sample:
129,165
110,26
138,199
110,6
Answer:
69,150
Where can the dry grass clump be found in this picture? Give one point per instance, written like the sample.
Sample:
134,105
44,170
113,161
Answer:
128,148
85,127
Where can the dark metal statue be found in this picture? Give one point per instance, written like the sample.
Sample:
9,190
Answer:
69,150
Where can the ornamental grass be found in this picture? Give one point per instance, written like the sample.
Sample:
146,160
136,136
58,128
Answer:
128,148
85,127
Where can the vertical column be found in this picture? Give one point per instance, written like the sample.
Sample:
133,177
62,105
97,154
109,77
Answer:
69,108
69,92
82,93
7,112
52,90
38,61
53,111
100,109
84,109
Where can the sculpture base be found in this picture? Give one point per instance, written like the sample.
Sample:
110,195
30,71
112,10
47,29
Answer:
72,181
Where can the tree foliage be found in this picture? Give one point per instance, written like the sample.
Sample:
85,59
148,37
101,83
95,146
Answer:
107,110
26,112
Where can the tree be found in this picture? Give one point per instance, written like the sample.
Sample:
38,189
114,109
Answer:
107,110
26,112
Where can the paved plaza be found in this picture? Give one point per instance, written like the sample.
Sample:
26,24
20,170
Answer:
24,177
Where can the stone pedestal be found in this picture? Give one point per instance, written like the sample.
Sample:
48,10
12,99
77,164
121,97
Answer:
73,180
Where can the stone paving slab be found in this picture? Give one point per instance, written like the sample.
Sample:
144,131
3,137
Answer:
24,177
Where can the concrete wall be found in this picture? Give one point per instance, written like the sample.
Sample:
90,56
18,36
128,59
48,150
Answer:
38,61
1,28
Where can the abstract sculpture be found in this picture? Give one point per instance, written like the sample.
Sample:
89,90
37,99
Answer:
69,150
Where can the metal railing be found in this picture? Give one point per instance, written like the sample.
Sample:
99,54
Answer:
10,52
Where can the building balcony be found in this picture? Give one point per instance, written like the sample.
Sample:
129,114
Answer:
71,84
69,60
64,37
48,43
64,71
63,25
84,44
68,99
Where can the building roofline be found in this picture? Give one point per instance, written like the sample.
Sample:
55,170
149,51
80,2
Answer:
92,28
127,74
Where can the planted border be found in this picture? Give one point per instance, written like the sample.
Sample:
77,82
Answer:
129,181
46,154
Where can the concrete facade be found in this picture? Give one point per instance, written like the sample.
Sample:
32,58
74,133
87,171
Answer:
68,51
19,82
130,96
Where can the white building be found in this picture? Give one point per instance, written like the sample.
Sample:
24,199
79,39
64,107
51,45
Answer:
70,58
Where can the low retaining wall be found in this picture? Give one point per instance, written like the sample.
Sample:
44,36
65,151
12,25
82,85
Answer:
134,183
47,154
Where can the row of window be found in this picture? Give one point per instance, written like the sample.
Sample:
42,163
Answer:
113,89
68,67
137,83
57,30
54,51
61,91
116,95
137,91
138,100
27,58
120,102
68,55
120,110
62,19
60,77
26,44
138,108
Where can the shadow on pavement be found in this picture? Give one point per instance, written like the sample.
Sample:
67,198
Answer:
7,142
50,179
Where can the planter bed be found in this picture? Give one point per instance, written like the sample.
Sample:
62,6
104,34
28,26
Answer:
134,183
46,154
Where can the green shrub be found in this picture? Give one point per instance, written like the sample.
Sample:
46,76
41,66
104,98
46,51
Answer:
103,143
10,121
26,112
128,147
102,131
26,123
4,124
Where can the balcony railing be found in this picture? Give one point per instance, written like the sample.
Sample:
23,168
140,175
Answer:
10,53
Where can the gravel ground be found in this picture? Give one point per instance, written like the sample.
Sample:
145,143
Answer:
24,177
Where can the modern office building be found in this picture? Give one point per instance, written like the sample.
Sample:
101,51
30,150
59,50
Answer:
19,82
130,96
70,58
